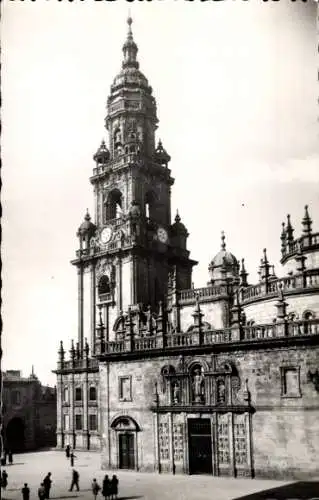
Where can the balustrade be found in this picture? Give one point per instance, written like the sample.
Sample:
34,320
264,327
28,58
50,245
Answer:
209,291
288,283
254,333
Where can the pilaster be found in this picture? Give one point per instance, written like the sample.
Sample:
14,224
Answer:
80,306
93,306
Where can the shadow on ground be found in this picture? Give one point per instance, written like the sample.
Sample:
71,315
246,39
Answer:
301,490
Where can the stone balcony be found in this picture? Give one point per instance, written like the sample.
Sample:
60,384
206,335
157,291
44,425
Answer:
285,330
291,284
303,244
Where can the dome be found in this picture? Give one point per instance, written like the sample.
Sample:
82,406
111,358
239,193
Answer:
87,226
130,74
224,258
161,155
224,265
178,227
102,155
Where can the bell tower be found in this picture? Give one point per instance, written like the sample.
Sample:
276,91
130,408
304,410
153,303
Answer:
126,255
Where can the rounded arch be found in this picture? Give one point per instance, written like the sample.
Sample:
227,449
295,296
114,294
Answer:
307,315
104,285
125,422
113,206
150,202
167,370
15,434
194,364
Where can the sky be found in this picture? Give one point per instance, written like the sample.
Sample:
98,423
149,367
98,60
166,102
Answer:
236,90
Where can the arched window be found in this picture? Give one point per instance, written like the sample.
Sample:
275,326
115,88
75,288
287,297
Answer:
92,394
167,372
150,205
78,394
113,206
308,315
104,285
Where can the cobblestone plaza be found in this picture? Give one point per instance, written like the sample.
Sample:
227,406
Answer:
32,467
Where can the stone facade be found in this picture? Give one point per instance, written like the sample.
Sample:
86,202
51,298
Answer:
221,379
29,412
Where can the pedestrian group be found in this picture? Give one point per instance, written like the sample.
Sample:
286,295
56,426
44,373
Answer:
109,489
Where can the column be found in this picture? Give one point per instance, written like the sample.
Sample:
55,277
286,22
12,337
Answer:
86,443
250,461
119,285
157,465
80,307
231,443
93,308
171,442
71,395
60,423
214,444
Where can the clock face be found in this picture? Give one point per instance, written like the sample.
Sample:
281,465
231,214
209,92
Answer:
105,235
162,235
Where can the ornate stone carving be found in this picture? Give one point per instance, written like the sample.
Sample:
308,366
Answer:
198,386
163,434
178,442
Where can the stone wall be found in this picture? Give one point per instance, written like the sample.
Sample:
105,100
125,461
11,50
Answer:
285,431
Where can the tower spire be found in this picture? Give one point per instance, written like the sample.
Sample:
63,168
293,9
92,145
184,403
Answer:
130,48
223,245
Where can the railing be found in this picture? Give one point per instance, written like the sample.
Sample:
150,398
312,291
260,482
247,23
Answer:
180,340
114,164
209,291
145,343
309,280
115,346
305,242
243,334
81,363
217,336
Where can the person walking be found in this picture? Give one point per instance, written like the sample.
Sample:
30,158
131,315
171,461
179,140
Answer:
67,451
95,488
72,457
106,487
47,482
75,480
114,487
41,492
4,479
10,457
25,492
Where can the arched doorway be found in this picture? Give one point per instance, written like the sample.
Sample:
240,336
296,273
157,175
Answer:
15,437
126,436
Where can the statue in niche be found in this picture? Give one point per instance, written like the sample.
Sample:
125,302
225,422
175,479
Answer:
221,392
198,386
176,393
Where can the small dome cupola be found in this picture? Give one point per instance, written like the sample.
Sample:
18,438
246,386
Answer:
161,156
179,233
178,227
86,230
130,74
224,267
102,155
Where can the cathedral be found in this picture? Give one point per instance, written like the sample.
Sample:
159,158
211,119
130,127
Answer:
165,377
